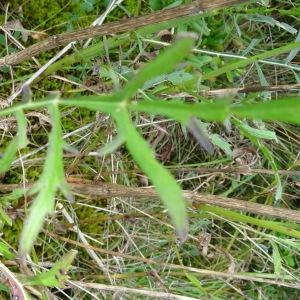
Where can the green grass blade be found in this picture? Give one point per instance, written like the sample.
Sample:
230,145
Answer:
237,217
250,60
167,187
22,129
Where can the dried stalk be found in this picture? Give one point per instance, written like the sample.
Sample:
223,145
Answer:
196,7
108,190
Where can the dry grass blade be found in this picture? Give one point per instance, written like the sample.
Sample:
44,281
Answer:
126,290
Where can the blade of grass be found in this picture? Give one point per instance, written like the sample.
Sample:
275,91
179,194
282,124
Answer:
250,60
237,217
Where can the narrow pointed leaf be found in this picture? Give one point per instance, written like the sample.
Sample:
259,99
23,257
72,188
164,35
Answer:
168,189
57,275
163,64
182,112
18,142
51,180
285,110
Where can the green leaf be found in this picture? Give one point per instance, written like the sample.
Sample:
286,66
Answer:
18,142
163,64
57,275
5,250
276,259
182,112
252,135
13,196
4,216
111,146
259,133
167,187
286,110
107,103
196,283
9,155
22,129
51,180
221,143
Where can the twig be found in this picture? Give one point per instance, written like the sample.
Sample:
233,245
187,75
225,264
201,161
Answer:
131,24
195,199
17,290
108,190
127,290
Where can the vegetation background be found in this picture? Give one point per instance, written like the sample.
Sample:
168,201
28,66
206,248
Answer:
82,126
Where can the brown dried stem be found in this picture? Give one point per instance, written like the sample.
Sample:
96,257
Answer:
108,190
128,25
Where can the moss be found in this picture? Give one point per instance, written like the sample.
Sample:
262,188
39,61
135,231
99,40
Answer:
43,13
11,234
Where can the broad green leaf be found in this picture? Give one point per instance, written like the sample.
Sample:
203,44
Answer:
163,64
182,112
57,275
285,110
51,180
165,184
